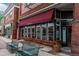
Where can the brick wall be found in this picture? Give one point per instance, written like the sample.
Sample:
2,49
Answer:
9,17
24,12
15,23
75,30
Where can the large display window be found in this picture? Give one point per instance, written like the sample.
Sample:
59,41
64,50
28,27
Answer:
51,31
33,32
29,31
44,32
25,32
38,31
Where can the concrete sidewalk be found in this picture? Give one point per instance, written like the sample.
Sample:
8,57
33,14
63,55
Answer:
42,52
3,47
5,39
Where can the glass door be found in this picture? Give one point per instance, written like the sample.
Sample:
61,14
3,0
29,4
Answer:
64,36
63,32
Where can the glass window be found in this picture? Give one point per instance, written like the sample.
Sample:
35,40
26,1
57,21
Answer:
8,30
27,4
50,31
38,32
44,31
29,32
57,33
67,14
33,32
58,14
25,32
10,15
22,32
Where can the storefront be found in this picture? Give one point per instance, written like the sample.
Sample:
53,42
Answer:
8,31
63,23
49,25
40,26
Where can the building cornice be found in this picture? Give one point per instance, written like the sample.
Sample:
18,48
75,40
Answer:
10,8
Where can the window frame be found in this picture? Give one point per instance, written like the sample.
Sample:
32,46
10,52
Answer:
34,31
27,4
25,31
22,31
45,24
29,33
40,32
52,30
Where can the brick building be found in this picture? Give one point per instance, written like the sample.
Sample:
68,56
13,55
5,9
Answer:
2,26
11,20
75,29
44,22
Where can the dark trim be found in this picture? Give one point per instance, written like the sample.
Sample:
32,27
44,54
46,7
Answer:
54,29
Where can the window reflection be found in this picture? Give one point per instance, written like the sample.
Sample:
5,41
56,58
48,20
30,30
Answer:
50,31
57,33
44,31
38,32
33,32
29,32
24,32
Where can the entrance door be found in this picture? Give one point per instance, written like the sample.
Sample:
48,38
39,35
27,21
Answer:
63,32
66,36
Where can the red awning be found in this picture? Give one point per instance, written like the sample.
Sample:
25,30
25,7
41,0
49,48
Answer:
40,18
